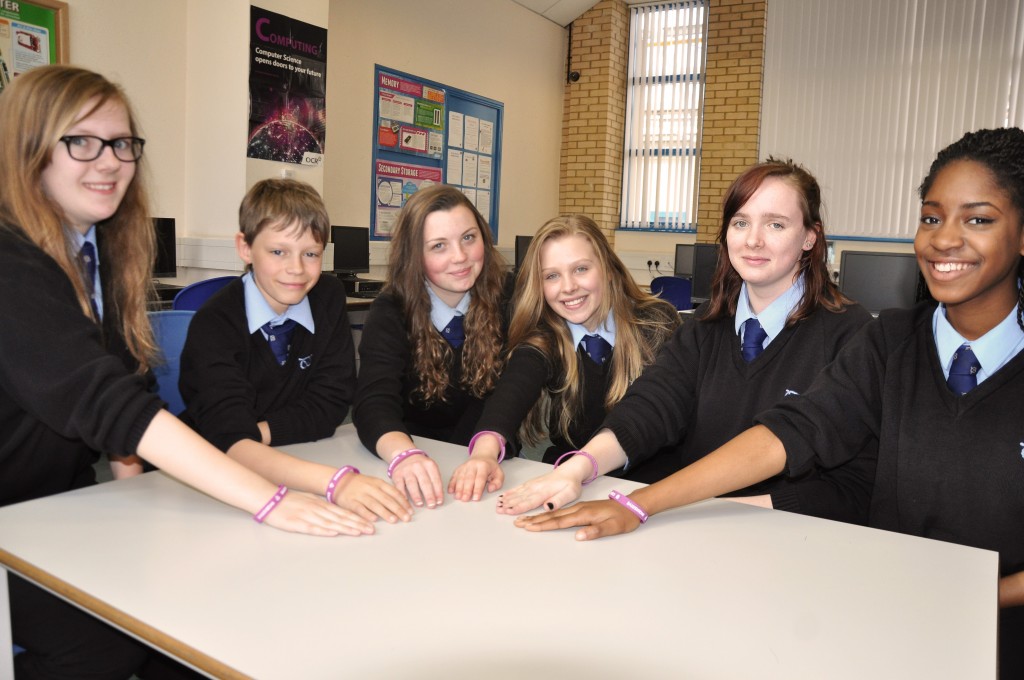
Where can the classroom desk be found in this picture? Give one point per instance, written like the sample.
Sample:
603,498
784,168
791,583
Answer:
716,590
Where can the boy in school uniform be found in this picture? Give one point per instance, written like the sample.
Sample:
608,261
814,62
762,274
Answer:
269,359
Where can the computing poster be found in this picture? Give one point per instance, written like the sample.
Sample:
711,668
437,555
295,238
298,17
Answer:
287,89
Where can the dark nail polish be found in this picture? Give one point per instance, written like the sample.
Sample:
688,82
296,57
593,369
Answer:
551,506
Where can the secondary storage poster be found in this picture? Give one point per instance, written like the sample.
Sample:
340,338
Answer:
26,39
287,89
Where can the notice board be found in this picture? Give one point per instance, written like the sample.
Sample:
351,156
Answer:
425,133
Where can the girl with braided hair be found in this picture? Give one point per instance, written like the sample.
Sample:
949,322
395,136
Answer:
941,387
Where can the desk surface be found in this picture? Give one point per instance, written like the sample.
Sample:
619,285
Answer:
716,590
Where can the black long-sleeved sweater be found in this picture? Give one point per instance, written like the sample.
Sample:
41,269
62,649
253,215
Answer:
67,389
700,393
387,381
230,380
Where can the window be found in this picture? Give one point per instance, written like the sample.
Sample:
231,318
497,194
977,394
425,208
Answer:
865,94
664,101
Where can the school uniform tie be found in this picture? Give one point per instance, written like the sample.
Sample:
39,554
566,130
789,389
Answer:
280,339
454,332
753,340
597,348
963,373
87,263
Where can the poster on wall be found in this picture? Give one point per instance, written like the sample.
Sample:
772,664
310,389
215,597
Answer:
427,132
470,159
31,34
395,183
410,116
287,89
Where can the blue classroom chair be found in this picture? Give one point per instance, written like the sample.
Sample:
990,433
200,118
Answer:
195,294
170,329
673,289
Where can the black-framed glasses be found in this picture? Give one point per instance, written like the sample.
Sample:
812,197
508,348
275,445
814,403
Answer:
90,147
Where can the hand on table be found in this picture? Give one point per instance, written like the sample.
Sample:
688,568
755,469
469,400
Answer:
306,514
597,519
371,498
469,479
552,490
418,478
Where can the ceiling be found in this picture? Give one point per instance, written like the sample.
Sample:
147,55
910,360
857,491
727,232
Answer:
563,12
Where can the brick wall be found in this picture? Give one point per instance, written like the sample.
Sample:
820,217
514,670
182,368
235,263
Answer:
732,103
594,112
594,116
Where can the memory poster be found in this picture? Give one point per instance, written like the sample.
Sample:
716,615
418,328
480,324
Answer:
287,89
411,116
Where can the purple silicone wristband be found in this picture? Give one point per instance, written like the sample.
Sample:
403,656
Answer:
629,504
593,463
336,479
271,504
501,439
402,456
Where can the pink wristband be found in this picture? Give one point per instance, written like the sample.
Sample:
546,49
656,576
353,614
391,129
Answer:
593,463
271,504
627,502
402,456
336,479
501,439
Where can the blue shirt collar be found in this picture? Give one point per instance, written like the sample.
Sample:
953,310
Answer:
773,317
441,313
605,330
993,350
258,311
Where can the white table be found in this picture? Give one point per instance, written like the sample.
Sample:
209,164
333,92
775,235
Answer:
716,590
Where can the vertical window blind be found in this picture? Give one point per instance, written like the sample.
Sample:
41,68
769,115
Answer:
866,93
664,102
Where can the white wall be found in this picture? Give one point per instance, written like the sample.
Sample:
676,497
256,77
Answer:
493,48
185,68
140,46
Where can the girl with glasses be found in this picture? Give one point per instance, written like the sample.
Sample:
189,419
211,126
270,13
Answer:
76,250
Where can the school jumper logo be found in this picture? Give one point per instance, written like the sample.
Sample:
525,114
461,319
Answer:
305,362
791,393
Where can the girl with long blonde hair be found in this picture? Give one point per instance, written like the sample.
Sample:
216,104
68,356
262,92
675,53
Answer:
774,321
581,332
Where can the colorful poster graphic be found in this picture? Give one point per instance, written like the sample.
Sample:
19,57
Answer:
26,39
287,89
411,116
395,183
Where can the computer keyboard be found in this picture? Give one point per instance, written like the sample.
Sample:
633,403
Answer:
365,295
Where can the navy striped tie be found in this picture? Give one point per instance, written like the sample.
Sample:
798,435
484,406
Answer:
280,339
454,332
753,339
963,373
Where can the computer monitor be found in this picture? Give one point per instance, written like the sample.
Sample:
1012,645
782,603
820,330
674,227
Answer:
879,280
522,245
705,260
166,263
351,251
684,261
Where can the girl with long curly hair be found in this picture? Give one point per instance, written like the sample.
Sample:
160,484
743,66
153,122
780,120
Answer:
433,341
